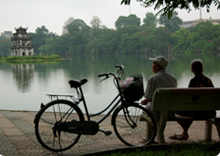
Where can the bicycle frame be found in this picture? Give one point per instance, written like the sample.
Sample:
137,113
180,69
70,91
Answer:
115,102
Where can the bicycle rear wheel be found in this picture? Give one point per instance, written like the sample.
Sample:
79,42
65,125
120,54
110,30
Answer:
130,128
47,121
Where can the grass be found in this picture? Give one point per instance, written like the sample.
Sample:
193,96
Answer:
169,150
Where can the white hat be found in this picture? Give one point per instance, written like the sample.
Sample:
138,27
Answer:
162,61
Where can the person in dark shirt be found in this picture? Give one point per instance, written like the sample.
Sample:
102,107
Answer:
199,80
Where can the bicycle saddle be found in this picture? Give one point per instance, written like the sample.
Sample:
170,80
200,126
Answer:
77,83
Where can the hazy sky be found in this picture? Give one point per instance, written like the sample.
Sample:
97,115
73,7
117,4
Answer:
54,13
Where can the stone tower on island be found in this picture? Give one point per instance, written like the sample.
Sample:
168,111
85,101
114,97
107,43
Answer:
21,43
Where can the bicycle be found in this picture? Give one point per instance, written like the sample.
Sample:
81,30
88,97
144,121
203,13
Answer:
60,123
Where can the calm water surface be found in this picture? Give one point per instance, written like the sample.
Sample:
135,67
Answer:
24,86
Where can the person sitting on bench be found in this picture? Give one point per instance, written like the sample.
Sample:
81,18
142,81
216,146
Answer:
199,80
161,79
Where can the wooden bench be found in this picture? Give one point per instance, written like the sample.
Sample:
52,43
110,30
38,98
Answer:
185,99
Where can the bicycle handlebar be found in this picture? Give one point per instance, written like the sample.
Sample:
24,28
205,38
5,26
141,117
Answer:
105,74
121,69
117,76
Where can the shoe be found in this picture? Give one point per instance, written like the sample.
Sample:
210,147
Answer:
144,141
145,117
178,137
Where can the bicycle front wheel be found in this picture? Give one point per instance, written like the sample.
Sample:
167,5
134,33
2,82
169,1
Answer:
130,126
47,121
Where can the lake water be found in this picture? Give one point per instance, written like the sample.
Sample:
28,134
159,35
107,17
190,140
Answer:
24,86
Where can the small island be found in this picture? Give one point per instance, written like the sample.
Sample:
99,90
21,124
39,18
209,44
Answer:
34,58
22,49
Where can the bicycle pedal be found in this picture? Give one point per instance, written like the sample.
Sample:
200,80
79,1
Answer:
108,133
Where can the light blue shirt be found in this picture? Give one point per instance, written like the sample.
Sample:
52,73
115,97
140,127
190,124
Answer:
161,79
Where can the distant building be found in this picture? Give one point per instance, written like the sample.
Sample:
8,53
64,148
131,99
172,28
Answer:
188,24
21,43
7,34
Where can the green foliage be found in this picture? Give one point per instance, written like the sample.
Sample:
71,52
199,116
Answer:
30,58
203,38
161,39
150,20
5,44
181,42
39,38
169,6
131,20
172,24
129,37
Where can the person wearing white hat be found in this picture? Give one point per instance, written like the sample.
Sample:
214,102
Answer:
161,79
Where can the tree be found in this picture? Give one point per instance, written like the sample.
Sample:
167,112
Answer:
79,36
70,20
131,20
96,26
203,38
150,20
96,23
5,45
77,26
181,40
108,43
39,37
56,45
171,24
169,6
121,22
129,43
104,42
42,30
161,39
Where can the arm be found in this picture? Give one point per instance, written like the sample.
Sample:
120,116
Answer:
145,101
149,92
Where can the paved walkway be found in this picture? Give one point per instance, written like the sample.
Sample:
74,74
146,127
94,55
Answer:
17,137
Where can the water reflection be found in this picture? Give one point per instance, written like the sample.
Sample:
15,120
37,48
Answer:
28,83
23,75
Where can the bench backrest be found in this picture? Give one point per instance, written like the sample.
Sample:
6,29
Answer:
186,99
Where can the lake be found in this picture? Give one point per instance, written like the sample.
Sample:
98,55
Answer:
24,85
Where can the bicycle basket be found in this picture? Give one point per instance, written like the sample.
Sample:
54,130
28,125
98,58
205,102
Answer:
135,90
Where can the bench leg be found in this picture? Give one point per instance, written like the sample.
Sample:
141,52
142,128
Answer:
217,124
208,130
160,132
